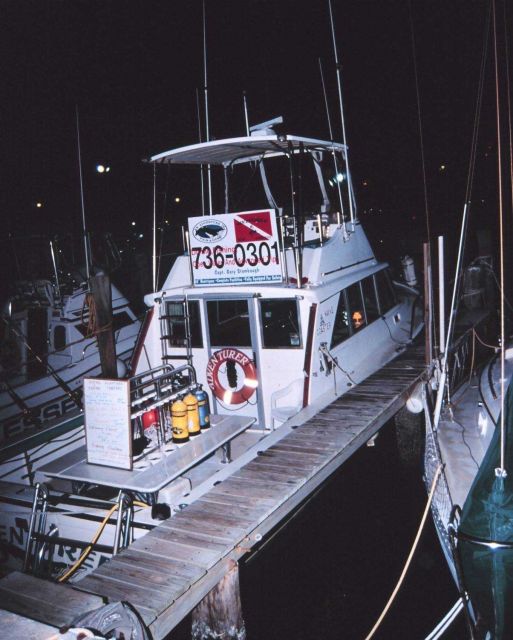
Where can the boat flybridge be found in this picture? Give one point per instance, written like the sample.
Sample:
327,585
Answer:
278,302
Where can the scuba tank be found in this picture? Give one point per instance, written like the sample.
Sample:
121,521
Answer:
203,407
193,423
179,421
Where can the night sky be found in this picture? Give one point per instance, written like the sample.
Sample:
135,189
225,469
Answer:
133,69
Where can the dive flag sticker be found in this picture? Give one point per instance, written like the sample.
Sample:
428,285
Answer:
253,227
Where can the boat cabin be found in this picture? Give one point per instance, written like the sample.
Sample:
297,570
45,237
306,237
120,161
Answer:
278,300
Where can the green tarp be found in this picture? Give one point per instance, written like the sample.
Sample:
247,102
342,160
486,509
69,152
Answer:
488,516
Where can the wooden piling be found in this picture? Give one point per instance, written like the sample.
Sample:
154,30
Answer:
102,313
219,614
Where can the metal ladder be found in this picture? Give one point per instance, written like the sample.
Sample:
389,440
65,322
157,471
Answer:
164,318
40,546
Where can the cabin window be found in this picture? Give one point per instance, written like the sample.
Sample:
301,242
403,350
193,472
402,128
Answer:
177,334
59,337
386,293
356,308
370,299
228,322
341,326
280,326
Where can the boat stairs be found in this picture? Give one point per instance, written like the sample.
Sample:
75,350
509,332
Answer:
167,573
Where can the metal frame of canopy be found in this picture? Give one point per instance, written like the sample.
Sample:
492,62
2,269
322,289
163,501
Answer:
244,149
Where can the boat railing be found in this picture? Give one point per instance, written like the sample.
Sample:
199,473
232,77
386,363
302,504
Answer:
155,388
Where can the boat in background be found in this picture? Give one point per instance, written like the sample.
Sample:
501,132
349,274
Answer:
469,435
49,344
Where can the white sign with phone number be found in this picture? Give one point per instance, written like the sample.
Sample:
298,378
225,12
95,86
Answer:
235,248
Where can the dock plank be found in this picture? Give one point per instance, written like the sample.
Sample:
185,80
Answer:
202,557
149,602
158,563
48,602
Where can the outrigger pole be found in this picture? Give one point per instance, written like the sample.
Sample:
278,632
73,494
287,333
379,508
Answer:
207,128
342,119
340,215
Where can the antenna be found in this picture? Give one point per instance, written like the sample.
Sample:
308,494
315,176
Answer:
84,228
200,137
246,118
341,105
207,129
154,257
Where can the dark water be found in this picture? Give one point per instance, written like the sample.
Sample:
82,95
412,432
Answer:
330,571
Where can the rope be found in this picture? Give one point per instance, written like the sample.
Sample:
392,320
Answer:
485,344
410,555
92,328
85,553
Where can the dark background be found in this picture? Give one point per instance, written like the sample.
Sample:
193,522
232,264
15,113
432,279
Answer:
133,69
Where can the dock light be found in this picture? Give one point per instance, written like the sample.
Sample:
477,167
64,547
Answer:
39,204
102,168
177,199
133,223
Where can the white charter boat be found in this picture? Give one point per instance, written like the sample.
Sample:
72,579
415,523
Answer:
278,306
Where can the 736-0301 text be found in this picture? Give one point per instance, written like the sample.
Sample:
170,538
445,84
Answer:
250,254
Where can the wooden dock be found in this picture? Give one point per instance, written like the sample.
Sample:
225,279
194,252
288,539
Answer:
166,573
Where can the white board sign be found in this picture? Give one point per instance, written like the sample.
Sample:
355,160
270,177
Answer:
235,248
107,422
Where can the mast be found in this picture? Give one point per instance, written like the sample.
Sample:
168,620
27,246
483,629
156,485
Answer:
342,119
501,471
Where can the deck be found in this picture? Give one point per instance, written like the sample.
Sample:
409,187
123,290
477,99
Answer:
166,573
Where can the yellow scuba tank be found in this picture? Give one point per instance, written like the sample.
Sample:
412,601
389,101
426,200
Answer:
193,423
179,421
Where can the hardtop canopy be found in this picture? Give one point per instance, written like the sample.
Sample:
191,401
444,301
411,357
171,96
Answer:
244,149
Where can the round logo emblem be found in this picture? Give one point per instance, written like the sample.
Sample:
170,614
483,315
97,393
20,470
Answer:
209,230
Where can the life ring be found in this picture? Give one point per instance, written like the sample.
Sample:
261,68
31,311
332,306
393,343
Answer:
231,396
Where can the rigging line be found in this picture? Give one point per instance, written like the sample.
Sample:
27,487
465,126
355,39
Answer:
87,256
421,136
410,555
501,240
